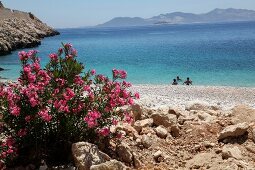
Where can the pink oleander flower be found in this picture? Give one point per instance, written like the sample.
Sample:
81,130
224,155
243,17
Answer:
119,74
36,66
60,81
15,110
68,45
28,118
137,95
27,69
114,122
78,80
22,132
69,94
128,118
53,57
104,131
93,72
23,55
73,52
44,114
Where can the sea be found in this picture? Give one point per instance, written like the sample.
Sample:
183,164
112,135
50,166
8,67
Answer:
221,54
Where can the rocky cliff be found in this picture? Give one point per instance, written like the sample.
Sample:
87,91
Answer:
21,30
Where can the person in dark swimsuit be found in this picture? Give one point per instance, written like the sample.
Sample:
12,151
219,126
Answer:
174,82
188,82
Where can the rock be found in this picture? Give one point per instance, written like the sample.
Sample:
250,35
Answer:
157,154
253,134
126,128
161,132
203,116
137,162
13,37
86,154
1,69
233,130
175,131
164,119
146,141
138,125
136,111
231,152
124,152
243,113
109,165
199,105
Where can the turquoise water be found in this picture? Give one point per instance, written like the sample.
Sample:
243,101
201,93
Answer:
210,54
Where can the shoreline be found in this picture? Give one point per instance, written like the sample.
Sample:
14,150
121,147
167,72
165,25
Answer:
223,97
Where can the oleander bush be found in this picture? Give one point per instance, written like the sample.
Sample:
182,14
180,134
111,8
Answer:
48,109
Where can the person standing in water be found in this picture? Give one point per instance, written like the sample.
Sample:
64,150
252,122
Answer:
188,82
178,78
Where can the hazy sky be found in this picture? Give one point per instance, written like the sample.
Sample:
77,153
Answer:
77,13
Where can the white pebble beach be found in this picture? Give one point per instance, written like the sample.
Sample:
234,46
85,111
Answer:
224,97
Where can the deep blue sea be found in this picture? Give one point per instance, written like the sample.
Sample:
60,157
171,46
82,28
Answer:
210,54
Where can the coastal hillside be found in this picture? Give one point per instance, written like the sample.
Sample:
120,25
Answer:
21,30
214,16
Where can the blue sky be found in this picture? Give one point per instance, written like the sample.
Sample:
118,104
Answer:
77,13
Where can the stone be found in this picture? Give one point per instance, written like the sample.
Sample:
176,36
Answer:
124,152
175,131
109,165
206,117
138,125
146,141
137,162
130,131
253,134
243,113
161,132
233,130
157,154
164,119
136,111
199,105
86,154
231,152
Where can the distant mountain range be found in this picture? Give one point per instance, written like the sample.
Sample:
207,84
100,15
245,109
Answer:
216,15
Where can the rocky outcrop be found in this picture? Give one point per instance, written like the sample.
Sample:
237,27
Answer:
21,30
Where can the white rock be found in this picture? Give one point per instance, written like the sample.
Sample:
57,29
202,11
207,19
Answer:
231,152
86,154
165,119
233,130
138,125
161,132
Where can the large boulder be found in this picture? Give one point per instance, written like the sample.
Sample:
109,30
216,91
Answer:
109,165
86,154
233,130
165,119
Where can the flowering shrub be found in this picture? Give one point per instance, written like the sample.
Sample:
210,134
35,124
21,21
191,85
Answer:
56,106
